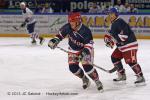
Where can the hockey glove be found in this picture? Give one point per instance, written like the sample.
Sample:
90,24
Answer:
109,41
27,20
23,24
85,52
53,43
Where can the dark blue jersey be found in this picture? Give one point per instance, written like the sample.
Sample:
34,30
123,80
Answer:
77,39
123,34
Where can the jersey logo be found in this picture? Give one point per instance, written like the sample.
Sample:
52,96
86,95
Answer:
75,41
122,37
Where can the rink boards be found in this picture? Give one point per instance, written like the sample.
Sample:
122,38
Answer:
49,24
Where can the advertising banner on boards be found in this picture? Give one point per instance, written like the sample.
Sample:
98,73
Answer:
50,24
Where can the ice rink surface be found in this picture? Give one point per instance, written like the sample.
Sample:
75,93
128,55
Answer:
26,69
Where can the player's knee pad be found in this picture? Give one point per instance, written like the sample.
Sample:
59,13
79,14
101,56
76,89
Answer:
88,68
91,71
74,68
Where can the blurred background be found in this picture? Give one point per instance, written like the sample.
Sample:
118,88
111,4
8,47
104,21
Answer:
52,14
91,6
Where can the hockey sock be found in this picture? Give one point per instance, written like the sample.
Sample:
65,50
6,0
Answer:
136,68
117,63
76,70
91,71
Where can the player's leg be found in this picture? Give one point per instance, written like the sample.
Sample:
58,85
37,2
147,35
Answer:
116,60
33,35
39,36
131,59
87,61
73,60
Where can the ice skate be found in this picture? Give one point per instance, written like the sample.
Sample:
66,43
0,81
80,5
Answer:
140,81
33,42
99,86
121,79
86,82
41,40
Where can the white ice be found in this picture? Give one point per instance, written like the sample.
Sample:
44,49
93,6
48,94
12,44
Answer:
38,69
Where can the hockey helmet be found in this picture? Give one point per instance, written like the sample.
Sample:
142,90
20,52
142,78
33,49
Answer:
114,10
74,17
23,3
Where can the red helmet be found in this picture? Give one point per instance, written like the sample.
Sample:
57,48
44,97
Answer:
74,17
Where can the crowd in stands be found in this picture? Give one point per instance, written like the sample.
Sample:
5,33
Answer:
53,6
95,8
126,8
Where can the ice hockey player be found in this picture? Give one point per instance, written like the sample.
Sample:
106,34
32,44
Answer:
127,46
80,45
30,22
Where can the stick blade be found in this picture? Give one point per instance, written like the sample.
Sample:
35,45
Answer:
15,28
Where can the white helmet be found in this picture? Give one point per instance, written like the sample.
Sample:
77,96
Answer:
22,4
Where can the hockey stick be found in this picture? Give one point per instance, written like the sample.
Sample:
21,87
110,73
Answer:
108,71
16,28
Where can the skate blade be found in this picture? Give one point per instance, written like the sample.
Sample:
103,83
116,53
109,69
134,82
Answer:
119,82
140,84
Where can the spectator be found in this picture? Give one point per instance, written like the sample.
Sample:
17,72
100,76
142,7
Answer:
127,7
106,9
103,6
47,9
38,9
95,8
57,6
121,8
111,6
118,4
133,9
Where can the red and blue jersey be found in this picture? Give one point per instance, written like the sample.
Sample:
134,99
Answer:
82,38
124,36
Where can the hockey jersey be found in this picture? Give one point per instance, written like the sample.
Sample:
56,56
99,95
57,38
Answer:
124,36
28,16
82,38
